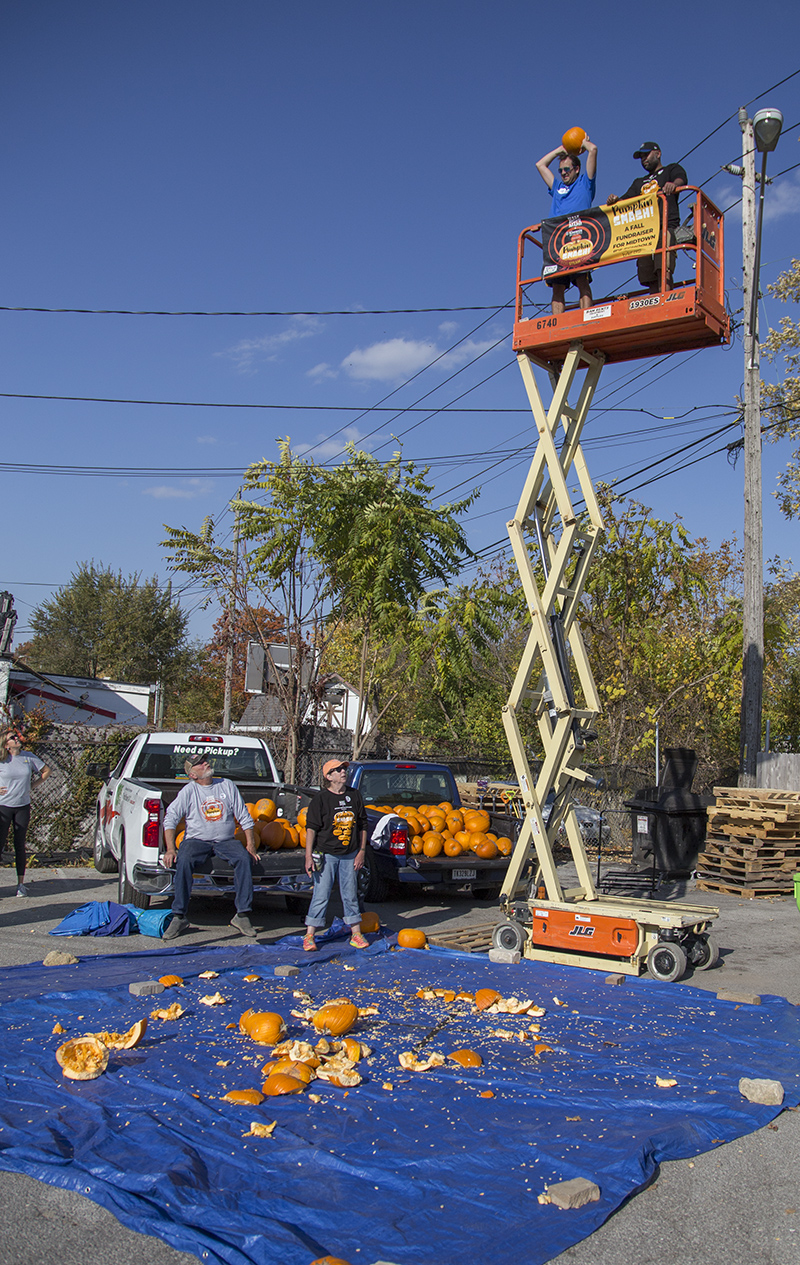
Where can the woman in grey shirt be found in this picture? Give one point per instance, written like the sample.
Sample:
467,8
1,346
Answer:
19,770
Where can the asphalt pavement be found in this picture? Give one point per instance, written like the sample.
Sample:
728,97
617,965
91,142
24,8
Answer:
737,1203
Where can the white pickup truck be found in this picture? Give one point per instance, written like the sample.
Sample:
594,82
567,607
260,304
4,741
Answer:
129,835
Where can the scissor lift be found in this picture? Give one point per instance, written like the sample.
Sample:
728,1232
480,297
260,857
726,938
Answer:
578,925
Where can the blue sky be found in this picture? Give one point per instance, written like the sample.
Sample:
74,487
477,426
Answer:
189,155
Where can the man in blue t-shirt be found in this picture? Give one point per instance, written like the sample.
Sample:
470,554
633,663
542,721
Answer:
572,193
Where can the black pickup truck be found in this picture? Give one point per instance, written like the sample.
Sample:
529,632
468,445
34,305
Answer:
389,861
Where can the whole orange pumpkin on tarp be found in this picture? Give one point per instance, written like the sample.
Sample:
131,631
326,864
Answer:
412,938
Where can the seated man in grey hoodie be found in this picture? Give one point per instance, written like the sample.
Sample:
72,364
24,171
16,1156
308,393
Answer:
211,806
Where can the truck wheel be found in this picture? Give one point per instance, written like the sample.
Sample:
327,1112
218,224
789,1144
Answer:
372,886
510,936
128,894
666,962
103,863
704,954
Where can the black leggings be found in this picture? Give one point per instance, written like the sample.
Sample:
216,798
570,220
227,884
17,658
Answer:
19,817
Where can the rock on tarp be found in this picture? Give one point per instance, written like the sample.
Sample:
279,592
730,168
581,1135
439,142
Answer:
425,1171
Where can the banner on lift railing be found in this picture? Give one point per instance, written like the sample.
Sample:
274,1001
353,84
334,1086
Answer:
622,231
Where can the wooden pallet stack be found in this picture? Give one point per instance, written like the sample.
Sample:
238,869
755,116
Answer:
493,796
752,847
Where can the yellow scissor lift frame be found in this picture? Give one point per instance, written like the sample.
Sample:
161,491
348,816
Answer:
576,926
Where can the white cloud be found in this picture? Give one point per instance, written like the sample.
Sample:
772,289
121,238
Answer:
398,358
206,439
321,371
448,327
782,198
324,449
190,489
250,351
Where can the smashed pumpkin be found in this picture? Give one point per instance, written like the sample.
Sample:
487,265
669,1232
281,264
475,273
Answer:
82,1058
279,1083
171,981
122,1040
336,1017
466,1058
486,997
264,1027
252,1097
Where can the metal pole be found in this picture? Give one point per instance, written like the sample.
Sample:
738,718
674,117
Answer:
753,596
231,627
658,754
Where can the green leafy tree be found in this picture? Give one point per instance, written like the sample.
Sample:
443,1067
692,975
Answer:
321,546
782,400
106,624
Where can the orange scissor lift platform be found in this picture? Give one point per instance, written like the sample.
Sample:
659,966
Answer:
636,324
553,546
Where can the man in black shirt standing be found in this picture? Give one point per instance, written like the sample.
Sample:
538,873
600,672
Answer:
336,827
669,179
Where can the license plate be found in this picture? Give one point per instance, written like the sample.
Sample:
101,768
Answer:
465,873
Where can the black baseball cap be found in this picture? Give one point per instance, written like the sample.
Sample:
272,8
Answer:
645,148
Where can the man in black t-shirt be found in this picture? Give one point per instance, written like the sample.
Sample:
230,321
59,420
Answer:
336,827
669,179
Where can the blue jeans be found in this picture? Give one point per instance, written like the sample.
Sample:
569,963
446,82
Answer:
193,852
340,868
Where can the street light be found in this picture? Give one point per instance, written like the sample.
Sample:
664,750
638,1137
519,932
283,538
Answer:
763,131
767,126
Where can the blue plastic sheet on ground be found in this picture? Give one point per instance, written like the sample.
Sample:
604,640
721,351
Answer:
97,918
150,922
413,1168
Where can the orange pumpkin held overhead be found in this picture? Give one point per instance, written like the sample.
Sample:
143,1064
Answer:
412,938
572,140
336,1018
466,1058
486,997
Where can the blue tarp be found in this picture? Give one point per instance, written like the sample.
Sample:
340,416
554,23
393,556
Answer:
97,918
414,1168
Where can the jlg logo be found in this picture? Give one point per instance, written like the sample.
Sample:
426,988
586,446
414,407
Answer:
582,931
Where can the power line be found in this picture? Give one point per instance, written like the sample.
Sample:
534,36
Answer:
317,408
385,311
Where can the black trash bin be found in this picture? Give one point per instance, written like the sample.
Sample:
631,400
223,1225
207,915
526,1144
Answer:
668,822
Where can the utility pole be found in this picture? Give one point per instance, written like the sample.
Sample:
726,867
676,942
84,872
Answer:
753,598
231,626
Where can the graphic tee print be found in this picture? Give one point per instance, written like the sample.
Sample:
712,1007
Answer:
343,822
212,809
